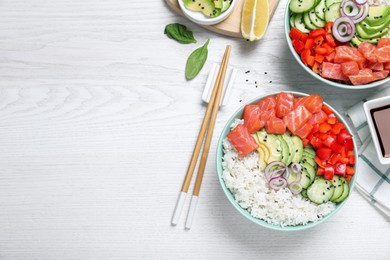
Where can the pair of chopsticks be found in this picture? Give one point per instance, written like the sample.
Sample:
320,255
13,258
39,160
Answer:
207,126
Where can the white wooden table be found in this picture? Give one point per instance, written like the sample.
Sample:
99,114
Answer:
97,126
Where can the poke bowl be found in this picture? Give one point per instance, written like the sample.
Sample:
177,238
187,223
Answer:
342,43
287,174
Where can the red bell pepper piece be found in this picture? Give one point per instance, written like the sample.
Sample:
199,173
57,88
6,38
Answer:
340,169
324,128
295,33
298,45
324,153
328,27
320,171
316,32
343,136
332,119
337,127
320,162
329,172
350,170
334,158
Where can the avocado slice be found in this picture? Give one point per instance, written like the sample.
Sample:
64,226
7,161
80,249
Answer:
377,15
374,29
310,170
218,3
262,155
365,35
261,139
274,148
225,5
298,148
207,7
284,149
309,152
291,151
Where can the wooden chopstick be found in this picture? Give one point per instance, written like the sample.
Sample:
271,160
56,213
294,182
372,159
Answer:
210,130
199,142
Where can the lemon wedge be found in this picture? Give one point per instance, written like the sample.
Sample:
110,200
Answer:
254,19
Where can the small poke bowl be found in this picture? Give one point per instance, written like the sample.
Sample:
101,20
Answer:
246,182
218,14
316,70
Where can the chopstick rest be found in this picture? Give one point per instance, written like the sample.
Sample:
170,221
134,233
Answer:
227,86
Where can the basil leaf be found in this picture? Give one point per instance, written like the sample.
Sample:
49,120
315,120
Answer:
179,33
196,61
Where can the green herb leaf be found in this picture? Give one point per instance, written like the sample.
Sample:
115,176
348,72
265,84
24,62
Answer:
196,61
179,33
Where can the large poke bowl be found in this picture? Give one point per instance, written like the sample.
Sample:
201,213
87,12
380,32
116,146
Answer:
342,43
287,174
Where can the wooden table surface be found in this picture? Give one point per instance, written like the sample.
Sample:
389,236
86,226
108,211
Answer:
97,126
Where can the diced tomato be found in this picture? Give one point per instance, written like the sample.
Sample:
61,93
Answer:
343,136
340,169
337,127
332,119
324,128
320,171
316,32
320,162
334,158
295,33
318,40
309,44
329,172
298,45
330,40
251,117
328,27
307,58
383,42
324,153
242,140
328,140
350,170
319,58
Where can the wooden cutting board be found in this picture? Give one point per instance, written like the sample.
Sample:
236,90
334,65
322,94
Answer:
230,26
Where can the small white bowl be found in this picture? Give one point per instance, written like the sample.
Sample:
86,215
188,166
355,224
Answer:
368,106
200,18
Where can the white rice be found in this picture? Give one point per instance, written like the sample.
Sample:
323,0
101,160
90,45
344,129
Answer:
246,181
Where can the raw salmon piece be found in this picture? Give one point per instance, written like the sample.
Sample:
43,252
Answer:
313,103
267,103
375,66
349,68
304,131
346,53
318,118
383,54
333,71
367,50
378,75
299,102
296,118
363,77
383,42
251,117
386,65
242,140
275,126
284,104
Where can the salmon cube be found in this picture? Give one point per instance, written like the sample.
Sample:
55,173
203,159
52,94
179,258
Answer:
378,75
383,54
346,53
349,68
275,126
333,71
383,42
367,50
386,65
363,77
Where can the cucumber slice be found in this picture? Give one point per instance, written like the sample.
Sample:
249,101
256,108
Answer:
315,20
345,193
300,24
304,193
320,191
299,6
307,21
310,161
320,10
298,148
292,20
291,151
307,168
330,2
332,12
305,180
338,183
284,149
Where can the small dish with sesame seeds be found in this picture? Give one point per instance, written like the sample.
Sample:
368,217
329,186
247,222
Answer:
207,12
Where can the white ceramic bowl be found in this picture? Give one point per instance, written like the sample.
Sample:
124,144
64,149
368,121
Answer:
368,106
199,18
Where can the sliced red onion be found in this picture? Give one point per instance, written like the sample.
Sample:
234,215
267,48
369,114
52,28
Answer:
274,169
343,37
296,168
295,187
363,12
358,11
346,5
360,2
278,182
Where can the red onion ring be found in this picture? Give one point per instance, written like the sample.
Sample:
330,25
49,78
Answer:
363,12
278,182
358,12
341,37
275,169
295,187
345,6
360,2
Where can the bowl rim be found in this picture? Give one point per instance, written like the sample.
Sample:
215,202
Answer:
201,19
326,81
229,195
